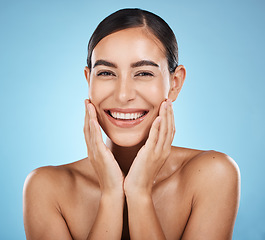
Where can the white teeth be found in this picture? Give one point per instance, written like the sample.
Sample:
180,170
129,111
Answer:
126,116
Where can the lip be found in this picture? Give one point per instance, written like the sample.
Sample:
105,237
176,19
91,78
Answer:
126,123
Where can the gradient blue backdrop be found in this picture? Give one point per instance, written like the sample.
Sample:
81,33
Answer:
42,55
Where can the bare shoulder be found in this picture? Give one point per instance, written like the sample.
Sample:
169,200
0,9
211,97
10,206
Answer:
213,178
195,166
208,170
53,178
46,178
55,185
207,173
212,165
41,208
43,190
48,193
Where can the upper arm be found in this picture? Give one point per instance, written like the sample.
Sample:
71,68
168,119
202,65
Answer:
42,218
216,198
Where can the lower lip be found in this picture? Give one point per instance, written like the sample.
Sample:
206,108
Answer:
126,123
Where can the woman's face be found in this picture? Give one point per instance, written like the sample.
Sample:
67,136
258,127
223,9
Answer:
128,81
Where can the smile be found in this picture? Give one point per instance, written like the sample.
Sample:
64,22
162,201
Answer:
126,117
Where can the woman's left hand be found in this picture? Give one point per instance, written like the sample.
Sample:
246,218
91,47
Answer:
153,154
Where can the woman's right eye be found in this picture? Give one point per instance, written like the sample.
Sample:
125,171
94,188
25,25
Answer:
105,73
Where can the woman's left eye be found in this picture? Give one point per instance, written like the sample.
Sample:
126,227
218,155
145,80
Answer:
144,74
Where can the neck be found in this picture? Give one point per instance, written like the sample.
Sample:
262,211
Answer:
124,155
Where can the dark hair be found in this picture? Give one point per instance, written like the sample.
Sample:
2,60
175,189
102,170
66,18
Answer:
134,17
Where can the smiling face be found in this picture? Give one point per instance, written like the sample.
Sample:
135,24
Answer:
128,80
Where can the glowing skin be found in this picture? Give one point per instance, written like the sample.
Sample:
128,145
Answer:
133,77
171,192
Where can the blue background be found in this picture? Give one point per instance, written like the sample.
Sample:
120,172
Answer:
43,48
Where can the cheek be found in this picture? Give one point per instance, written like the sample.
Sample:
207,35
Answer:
157,91
98,91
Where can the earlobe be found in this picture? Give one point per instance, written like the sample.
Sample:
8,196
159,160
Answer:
87,74
177,80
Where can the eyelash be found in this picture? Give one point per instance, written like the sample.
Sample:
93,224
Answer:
105,73
144,74
140,74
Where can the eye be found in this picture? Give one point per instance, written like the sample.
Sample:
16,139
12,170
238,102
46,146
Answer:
105,73
144,74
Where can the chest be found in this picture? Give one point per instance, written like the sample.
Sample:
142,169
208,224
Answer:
171,201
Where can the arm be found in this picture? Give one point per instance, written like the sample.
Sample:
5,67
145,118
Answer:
109,220
143,221
108,223
216,198
42,217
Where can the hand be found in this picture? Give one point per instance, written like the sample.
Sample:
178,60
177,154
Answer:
153,154
109,173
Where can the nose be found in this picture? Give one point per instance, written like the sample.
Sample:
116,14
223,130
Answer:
124,91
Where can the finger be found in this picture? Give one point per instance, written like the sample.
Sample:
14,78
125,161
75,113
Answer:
96,131
94,125
93,139
170,126
97,139
92,111
173,123
86,122
91,116
153,135
93,147
163,127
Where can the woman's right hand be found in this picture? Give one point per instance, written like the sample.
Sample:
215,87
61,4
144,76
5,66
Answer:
109,173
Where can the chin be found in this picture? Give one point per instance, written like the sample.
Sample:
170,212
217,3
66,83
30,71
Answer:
128,139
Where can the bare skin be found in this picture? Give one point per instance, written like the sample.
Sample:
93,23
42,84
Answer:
137,185
62,202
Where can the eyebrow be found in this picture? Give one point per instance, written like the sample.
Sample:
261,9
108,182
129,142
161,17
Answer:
104,63
133,65
144,63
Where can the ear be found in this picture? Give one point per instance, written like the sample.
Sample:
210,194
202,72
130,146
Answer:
176,83
87,74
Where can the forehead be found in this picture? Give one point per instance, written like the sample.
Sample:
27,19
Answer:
129,45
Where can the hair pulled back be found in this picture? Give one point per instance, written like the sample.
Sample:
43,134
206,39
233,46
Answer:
134,17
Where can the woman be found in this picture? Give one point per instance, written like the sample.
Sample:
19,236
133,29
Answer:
136,186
